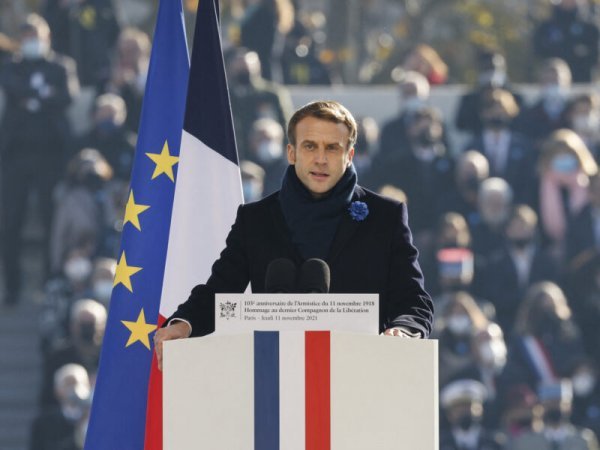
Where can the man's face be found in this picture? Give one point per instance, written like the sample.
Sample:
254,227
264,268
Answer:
320,156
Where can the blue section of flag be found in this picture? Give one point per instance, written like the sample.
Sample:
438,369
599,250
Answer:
206,108
266,390
118,415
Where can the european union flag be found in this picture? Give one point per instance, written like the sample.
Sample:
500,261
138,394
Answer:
118,417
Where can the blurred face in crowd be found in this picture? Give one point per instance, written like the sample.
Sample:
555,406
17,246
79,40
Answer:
490,349
425,131
555,81
495,117
464,414
458,321
584,118
77,268
543,317
584,380
520,233
494,208
243,67
267,144
73,391
87,329
321,155
35,44
105,119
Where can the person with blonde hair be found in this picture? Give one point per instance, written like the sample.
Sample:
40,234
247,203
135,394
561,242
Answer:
565,166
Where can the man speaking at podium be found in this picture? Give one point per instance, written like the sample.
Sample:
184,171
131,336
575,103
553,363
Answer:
320,212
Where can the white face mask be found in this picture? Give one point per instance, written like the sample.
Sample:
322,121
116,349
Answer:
78,269
268,151
34,48
493,354
583,384
412,104
103,290
459,324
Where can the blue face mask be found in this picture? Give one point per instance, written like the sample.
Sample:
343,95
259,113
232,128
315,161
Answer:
565,164
106,126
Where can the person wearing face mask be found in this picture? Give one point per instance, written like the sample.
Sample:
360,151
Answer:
586,396
87,324
494,203
252,181
110,136
509,153
252,97
102,279
565,168
568,35
422,172
460,319
472,168
518,264
462,402
129,73
34,135
62,426
267,150
546,343
414,96
558,432
548,113
491,67
81,217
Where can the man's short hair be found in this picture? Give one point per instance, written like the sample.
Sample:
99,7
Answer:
329,110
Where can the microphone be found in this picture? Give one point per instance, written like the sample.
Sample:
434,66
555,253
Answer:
281,276
314,277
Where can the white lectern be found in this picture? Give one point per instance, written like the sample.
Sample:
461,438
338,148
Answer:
295,390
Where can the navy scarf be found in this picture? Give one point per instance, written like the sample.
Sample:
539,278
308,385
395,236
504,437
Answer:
313,222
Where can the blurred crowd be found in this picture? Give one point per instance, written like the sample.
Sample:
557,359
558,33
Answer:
508,226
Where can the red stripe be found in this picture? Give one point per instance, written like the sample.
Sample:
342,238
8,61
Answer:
154,429
318,398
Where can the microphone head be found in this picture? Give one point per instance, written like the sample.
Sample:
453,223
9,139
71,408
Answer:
281,276
314,277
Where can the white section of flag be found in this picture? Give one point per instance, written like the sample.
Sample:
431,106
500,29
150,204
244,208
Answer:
207,194
292,397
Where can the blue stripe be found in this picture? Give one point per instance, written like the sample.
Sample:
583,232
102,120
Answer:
266,390
208,112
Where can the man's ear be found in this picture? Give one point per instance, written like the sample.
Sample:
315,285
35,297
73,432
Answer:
350,155
291,154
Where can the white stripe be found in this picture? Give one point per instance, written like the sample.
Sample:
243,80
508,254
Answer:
209,393
539,359
291,391
207,194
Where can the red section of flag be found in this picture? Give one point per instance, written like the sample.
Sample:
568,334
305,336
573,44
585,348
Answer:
154,429
318,397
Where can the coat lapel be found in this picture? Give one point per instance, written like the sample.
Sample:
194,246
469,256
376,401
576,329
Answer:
282,230
346,228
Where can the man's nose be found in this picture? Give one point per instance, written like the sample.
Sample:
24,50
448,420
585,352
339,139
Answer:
321,156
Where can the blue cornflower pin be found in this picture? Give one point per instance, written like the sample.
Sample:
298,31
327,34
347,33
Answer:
358,211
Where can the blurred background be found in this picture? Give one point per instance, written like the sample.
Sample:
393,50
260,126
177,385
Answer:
482,115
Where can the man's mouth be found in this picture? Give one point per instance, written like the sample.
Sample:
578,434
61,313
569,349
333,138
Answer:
319,175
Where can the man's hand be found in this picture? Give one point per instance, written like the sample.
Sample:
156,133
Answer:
397,332
177,330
